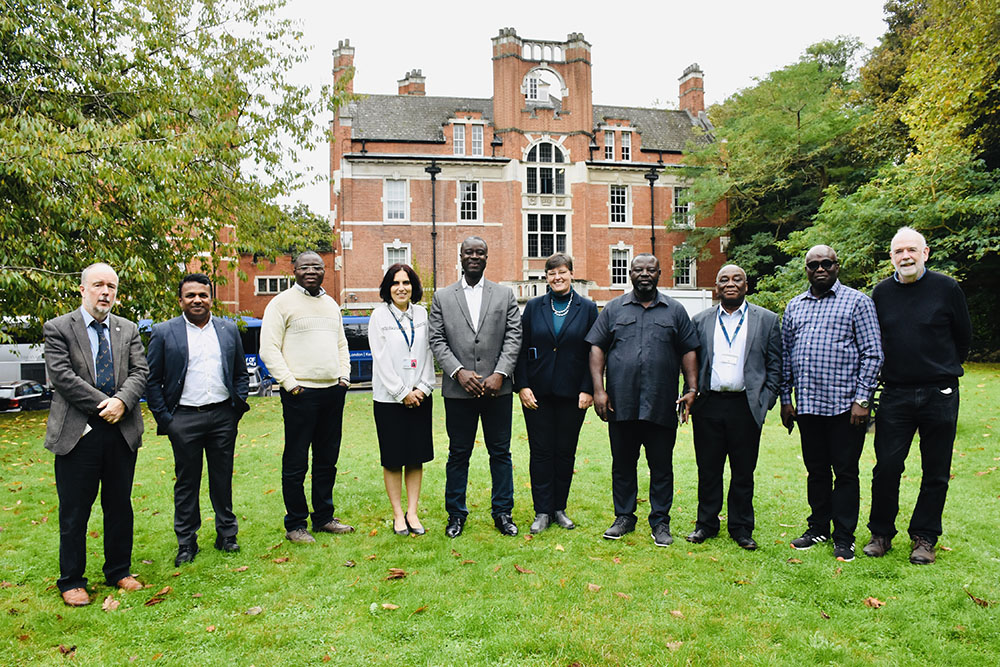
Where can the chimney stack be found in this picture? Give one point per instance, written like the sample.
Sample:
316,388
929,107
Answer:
343,64
692,90
412,83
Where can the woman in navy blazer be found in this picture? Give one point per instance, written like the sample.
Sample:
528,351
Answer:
553,381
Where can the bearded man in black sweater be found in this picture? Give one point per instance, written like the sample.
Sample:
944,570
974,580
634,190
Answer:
926,332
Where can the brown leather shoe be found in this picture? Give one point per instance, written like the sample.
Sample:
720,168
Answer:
129,583
335,526
923,551
878,546
76,597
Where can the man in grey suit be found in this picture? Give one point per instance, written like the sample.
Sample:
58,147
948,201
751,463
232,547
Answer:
98,372
739,371
475,334
197,392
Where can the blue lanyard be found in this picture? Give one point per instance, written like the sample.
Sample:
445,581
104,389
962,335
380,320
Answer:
738,326
413,336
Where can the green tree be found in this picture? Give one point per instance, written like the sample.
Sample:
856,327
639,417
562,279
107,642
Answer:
134,132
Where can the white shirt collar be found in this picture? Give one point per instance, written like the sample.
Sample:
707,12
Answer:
742,309
401,313
306,292
466,285
189,323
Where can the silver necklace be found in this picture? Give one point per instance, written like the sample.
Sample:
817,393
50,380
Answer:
562,313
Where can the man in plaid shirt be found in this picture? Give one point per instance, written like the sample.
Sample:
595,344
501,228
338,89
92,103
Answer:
832,353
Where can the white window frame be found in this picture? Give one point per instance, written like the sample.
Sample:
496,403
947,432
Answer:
626,146
396,245
538,233
388,209
683,216
478,201
627,222
535,168
476,139
287,281
691,279
627,250
609,145
458,138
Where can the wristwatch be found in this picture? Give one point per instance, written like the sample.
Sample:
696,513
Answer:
863,404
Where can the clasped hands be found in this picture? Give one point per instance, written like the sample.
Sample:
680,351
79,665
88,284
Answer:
111,410
476,387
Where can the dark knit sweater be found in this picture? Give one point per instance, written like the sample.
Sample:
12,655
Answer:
926,330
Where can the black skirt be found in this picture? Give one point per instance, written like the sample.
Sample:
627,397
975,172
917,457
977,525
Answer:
404,434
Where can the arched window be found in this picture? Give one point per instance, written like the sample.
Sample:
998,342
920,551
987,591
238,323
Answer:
544,177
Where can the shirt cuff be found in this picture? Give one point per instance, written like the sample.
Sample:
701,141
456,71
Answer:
502,373
455,372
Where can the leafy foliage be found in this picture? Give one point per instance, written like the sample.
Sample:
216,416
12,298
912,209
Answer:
150,134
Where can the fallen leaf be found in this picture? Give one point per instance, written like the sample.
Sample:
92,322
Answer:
468,562
522,570
559,547
210,628
242,568
625,596
794,561
666,591
677,612
196,595
980,601
616,560
528,537
147,562
176,574
874,603
419,610
673,646
837,571
157,656
95,535
5,584
253,611
110,603
713,559
282,559
787,525
327,658
153,600
275,546
824,614
67,650
349,563
496,569
24,638
269,491
455,554
164,590
396,573
373,533
741,582
593,588
943,548
389,606
371,557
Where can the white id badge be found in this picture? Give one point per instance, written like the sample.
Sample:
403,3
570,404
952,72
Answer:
409,363
728,358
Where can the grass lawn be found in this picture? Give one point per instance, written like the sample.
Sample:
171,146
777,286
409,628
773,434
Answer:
560,598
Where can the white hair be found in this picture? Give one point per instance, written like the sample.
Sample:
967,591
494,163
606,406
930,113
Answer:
95,265
904,231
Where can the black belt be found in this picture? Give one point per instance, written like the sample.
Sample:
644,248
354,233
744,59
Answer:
202,408
727,394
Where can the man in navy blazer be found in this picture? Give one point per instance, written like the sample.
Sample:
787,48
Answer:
197,392
739,371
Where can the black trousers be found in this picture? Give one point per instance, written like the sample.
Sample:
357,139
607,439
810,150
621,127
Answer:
725,427
101,460
194,435
831,448
933,411
626,438
462,416
553,433
314,417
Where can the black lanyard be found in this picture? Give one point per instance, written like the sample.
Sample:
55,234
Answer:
738,327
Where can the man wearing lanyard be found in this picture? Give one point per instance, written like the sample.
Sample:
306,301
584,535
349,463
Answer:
739,369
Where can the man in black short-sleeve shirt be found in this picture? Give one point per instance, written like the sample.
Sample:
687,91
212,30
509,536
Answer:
644,338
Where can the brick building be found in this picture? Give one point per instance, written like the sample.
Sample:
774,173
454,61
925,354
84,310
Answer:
536,168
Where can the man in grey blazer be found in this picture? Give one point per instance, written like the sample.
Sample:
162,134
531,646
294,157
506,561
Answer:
197,392
475,334
739,371
97,368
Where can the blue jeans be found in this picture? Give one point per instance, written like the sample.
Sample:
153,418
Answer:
903,411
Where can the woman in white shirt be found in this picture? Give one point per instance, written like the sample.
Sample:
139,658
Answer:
402,381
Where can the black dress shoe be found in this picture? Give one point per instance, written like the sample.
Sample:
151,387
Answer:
540,523
412,529
746,542
505,525
622,525
560,518
185,554
227,544
455,526
698,535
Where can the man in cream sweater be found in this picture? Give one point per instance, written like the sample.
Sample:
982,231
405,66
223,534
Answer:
303,345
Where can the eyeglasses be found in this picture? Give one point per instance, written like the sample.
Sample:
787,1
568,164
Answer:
827,264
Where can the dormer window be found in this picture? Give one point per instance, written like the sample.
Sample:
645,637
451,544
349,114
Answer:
532,93
543,87
543,177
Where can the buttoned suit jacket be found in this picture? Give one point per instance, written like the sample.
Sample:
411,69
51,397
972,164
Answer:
69,362
761,358
491,347
168,364
559,364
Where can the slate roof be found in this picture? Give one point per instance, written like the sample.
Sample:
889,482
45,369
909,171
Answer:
416,118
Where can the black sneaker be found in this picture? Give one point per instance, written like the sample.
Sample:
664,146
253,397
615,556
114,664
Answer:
661,535
808,539
843,551
622,526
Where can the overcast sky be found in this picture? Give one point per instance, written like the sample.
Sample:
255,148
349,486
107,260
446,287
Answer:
638,49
